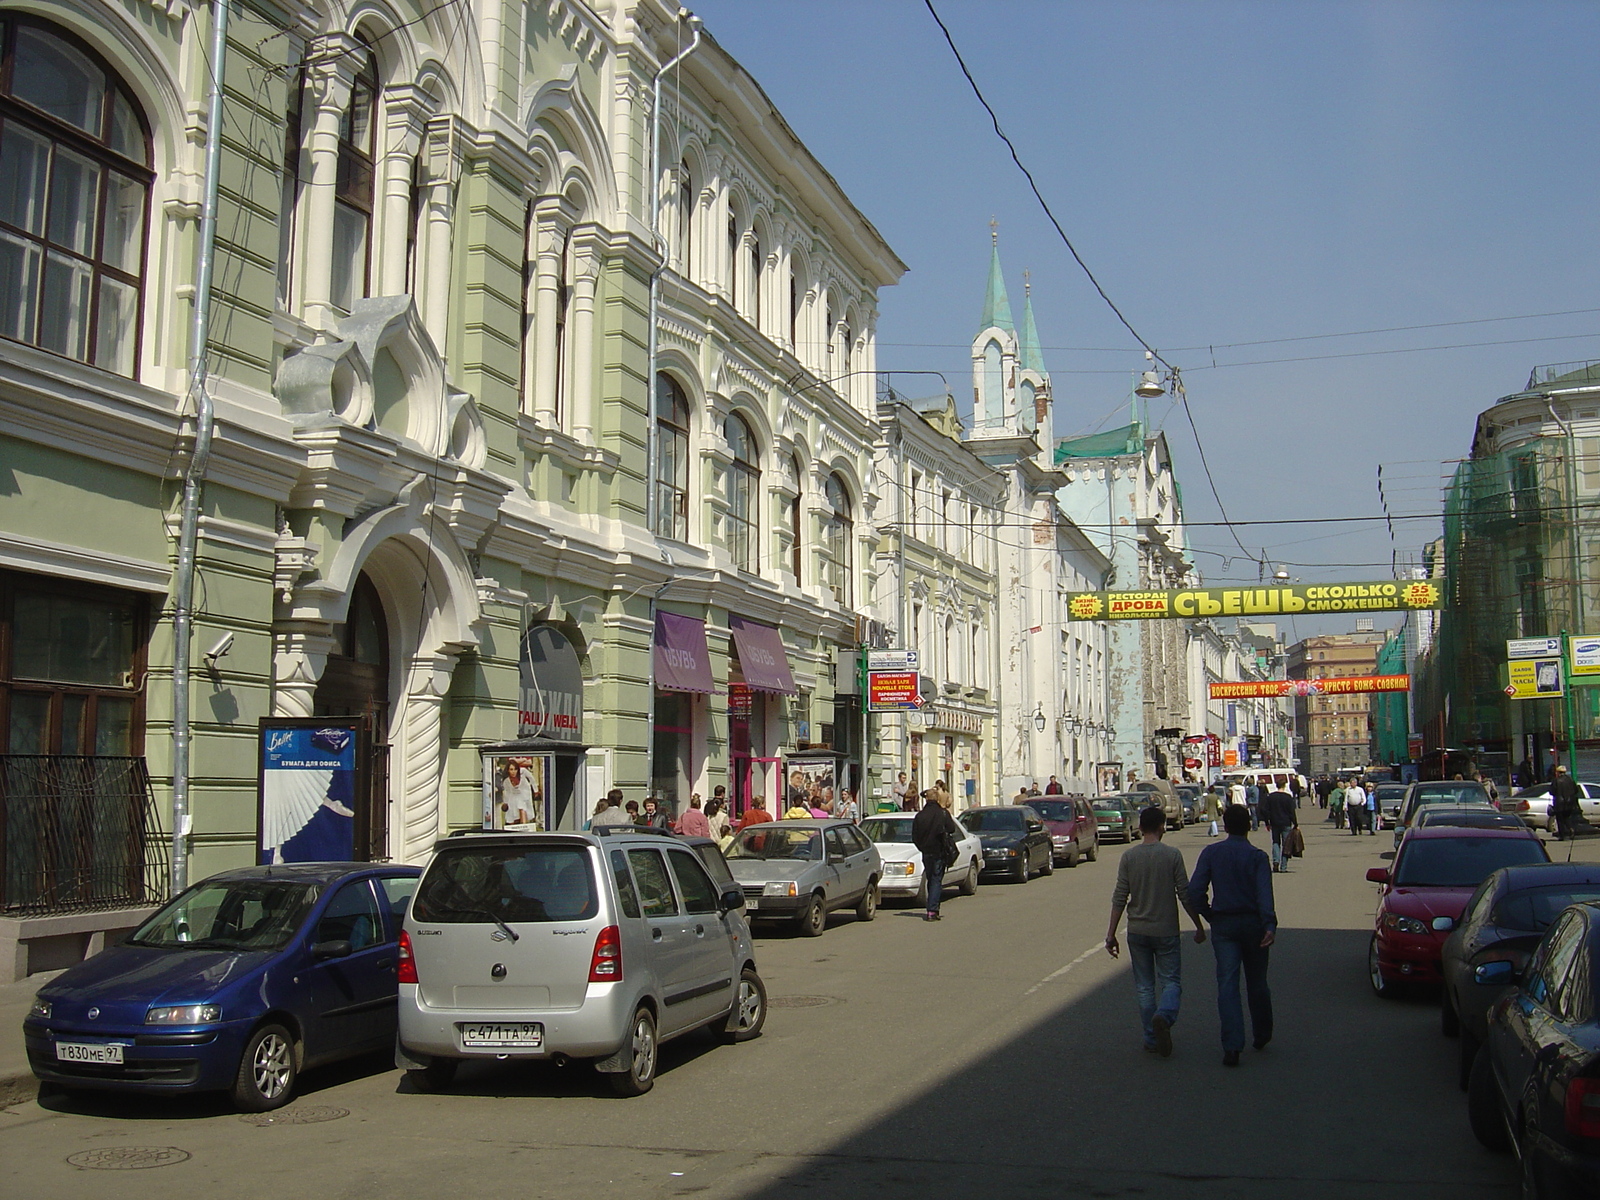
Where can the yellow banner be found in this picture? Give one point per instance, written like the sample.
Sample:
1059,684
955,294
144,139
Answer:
1312,598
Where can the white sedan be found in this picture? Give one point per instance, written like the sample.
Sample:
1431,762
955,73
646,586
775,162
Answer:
902,861
1533,805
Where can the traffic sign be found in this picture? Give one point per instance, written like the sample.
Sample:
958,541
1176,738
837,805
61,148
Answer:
1535,647
1534,679
891,660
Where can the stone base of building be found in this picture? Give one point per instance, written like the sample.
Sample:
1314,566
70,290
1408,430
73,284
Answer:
29,945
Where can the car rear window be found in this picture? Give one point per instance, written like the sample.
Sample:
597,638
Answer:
777,841
469,885
1450,793
888,832
1052,810
1534,910
1461,862
1003,821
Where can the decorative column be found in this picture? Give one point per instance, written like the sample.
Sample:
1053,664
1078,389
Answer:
299,655
407,113
552,218
442,169
330,72
586,247
421,747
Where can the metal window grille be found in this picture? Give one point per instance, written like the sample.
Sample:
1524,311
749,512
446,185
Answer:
79,833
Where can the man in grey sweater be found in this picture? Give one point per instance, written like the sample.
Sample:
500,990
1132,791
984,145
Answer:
1151,883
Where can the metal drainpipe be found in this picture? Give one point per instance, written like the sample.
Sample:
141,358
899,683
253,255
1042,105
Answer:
655,275
194,475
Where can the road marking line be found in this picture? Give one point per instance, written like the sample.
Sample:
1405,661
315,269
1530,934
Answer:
1060,971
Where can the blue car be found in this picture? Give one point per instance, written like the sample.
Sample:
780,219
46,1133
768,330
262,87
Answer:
236,985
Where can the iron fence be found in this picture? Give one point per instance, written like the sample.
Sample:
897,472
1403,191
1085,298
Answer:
79,833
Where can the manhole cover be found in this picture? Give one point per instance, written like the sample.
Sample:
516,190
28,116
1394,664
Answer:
799,1001
127,1158
311,1115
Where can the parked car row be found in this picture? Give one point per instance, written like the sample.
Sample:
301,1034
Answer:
509,945
1511,941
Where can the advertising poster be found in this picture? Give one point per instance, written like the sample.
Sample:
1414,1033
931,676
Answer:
893,691
1585,657
809,782
516,790
1534,679
307,790
1334,686
1385,596
1108,778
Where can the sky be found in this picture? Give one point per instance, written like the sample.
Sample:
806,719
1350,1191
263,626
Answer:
1232,172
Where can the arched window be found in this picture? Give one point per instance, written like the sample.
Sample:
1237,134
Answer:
733,255
74,193
744,486
353,188
796,542
949,660
672,459
844,357
685,217
755,280
794,309
837,534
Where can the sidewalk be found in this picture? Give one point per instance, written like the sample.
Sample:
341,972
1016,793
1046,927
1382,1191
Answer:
16,1080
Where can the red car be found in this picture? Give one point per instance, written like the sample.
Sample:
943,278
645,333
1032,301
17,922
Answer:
1074,831
1424,893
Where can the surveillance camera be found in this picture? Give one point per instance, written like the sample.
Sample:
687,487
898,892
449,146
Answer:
224,644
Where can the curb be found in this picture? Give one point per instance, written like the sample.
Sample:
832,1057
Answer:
18,1089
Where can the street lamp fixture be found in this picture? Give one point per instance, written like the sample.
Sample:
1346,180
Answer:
1039,717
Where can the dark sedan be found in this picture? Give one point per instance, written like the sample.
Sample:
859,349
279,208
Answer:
1503,922
1435,815
1015,841
1535,1084
236,985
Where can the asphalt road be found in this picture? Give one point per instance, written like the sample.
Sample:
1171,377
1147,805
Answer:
994,1053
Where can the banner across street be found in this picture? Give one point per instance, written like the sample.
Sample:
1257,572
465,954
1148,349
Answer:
1386,596
1343,686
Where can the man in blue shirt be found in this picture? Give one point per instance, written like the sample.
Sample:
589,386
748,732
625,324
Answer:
1244,924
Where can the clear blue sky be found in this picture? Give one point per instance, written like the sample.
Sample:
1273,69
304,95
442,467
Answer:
1233,172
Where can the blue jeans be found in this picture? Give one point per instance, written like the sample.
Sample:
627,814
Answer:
1236,941
1156,960
1280,860
933,876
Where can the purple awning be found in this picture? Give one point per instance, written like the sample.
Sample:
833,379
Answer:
682,663
761,656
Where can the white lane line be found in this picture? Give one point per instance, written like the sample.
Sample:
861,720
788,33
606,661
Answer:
1060,971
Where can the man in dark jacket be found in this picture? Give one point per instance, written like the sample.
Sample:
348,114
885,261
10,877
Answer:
934,832
1278,811
1565,802
1244,923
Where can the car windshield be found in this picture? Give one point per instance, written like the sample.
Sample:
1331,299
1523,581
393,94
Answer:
777,841
1106,804
998,821
1391,791
887,832
230,914
1052,810
711,856
1459,792
1461,862
1532,910
472,885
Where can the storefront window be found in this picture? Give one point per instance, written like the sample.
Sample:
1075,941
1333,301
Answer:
71,682
674,729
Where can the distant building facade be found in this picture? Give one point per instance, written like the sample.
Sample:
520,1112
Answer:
1334,733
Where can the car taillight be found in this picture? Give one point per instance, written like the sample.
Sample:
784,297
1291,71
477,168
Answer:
1583,1107
1523,806
605,965
406,971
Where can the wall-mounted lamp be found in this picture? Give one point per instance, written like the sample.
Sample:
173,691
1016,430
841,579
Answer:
1039,717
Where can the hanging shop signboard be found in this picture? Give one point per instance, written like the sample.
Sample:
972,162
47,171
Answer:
1341,686
1534,679
1533,647
893,691
1310,599
1585,660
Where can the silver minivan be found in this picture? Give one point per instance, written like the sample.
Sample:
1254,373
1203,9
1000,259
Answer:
555,946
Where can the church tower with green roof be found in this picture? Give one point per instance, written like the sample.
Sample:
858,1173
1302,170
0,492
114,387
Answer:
1010,386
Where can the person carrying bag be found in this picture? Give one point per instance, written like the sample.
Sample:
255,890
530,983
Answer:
934,832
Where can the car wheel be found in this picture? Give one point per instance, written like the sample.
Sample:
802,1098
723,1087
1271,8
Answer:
1049,863
969,885
1024,869
640,1076
749,1012
267,1070
1093,852
1535,1185
1072,856
814,919
867,907
1483,1105
436,1076
1449,1019
1467,1051
1381,985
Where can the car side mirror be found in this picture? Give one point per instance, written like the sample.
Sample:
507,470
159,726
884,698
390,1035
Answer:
334,949
1377,874
731,899
1495,974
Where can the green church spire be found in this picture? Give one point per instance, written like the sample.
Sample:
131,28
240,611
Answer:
1032,356
996,304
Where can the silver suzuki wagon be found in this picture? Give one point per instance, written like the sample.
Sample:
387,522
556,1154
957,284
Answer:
555,946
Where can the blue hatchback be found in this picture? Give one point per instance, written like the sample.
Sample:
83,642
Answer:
237,985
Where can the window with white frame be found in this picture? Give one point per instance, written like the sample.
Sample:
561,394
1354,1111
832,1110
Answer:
672,459
837,534
353,188
74,199
744,486
755,279
685,217
796,542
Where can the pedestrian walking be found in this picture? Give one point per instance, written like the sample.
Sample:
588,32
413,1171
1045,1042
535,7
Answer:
694,823
846,809
1211,808
717,819
1244,924
1054,788
1252,801
1374,818
1151,884
897,792
654,815
934,833
1336,805
1355,806
1278,810
1566,803
756,814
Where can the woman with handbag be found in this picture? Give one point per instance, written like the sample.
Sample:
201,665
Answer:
934,832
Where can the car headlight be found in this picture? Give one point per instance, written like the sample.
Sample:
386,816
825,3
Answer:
1404,924
780,889
1059,838
183,1014
40,1009
899,868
